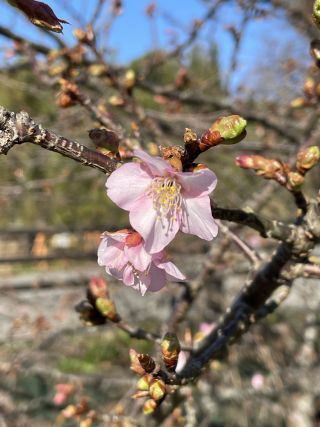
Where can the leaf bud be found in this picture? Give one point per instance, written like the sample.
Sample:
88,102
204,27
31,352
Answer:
307,158
144,382
231,128
107,308
170,348
157,389
135,364
149,407
147,362
294,181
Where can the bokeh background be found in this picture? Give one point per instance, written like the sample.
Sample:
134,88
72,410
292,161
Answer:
248,57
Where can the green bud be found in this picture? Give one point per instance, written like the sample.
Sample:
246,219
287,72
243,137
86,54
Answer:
149,406
308,158
316,12
107,308
294,181
170,348
157,389
143,383
231,128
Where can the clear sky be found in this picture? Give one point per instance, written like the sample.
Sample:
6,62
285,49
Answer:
132,33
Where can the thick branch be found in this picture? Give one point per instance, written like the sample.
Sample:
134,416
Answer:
20,128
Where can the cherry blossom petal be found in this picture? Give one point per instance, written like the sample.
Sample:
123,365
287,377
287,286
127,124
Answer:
128,276
197,218
119,236
158,278
172,271
156,165
138,257
117,274
156,232
127,184
142,283
197,184
111,256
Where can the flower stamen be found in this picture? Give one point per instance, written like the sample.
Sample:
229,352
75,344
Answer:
166,196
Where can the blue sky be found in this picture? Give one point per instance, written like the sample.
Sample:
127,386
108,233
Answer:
132,34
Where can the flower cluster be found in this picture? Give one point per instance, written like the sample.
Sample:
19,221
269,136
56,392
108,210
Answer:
161,201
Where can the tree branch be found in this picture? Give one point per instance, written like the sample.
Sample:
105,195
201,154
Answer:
20,128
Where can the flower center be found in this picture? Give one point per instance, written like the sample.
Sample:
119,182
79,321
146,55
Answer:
133,239
166,195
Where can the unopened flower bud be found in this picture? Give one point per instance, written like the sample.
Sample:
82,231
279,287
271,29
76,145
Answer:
170,348
40,14
294,181
85,37
250,161
97,288
147,362
268,168
149,407
308,158
231,128
157,389
107,308
144,382
135,364
129,79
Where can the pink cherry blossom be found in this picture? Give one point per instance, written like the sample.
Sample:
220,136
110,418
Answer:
162,200
124,257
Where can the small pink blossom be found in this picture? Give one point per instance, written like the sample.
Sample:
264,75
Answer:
161,200
63,392
257,381
124,256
